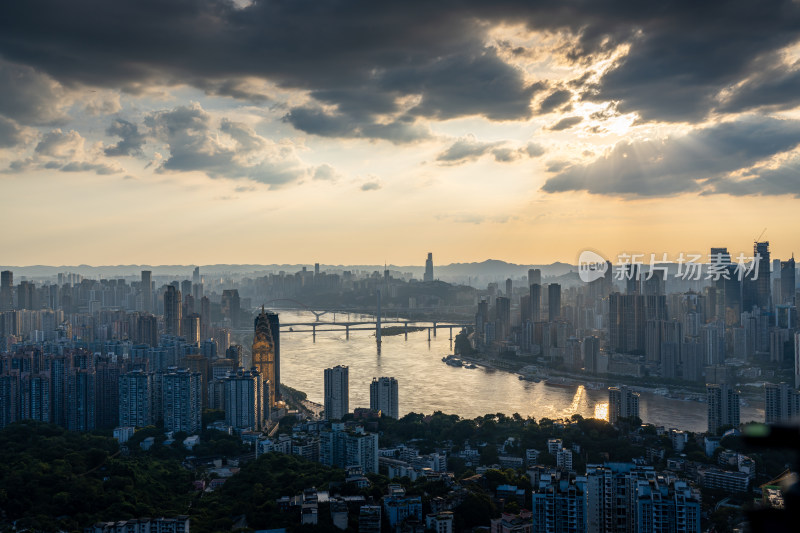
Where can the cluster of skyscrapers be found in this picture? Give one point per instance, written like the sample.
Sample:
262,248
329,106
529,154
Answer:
614,498
722,315
662,319
154,369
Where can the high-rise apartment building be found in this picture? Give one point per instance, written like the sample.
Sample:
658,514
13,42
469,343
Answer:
186,291
503,317
383,396
147,330
536,301
190,328
723,407
80,401
205,317
797,360
788,282
245,400
147,291
781,403
231,306
534,276
26,295
182,400
559,506
662,505
9,396
622,403
6,290
622,498
626,323
173,310
135,399
633,274
590,350
337,392
727,287
34,396
553,302
763,281
342,447
107,394
58,369
188,303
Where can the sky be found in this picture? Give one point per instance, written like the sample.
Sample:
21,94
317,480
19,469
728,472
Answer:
354,132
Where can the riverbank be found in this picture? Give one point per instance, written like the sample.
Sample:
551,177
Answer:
750,393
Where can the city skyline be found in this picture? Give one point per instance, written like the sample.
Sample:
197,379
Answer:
375,133
312,266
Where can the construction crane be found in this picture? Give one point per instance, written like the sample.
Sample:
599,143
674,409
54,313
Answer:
757,239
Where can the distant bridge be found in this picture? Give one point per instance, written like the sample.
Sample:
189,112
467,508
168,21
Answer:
301,304
364,310
366,325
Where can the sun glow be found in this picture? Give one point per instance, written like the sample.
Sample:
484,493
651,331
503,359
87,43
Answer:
601,411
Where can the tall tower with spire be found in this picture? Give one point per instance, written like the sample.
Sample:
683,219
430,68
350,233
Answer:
264,358
428,276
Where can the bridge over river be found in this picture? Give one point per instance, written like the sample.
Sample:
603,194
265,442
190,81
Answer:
371,324
366,325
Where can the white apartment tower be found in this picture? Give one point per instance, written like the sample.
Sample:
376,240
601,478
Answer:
337,392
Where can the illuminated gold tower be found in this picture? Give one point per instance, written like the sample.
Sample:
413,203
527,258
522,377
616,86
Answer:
264,354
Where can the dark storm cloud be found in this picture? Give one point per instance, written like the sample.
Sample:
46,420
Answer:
687,52
785,179
230,150
317,121
362,56
238,89
84,166
776,84
30,97
11,134
555,100
704,158
60,144
471,82
64,151
468,149
566,123
132,141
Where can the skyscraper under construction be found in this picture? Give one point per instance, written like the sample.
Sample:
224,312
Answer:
266,352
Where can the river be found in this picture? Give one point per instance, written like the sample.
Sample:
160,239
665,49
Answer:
426,384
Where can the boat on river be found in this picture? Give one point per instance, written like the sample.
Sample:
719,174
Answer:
560,383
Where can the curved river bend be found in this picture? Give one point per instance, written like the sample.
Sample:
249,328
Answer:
426,384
